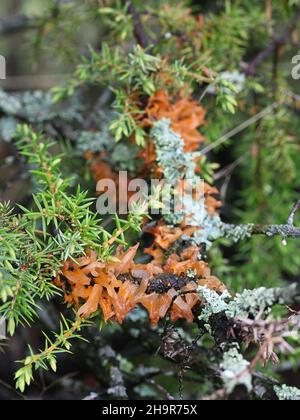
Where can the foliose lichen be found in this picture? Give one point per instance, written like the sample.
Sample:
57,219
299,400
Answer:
287,393
100,140
94,141
215,303
236,232
245,304
169,147
8,127
211,230
178,165
250,302
234,370
122,157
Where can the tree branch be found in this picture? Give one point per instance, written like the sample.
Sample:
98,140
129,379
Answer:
287,230
139,31
250,69
242,231
14,24
293,213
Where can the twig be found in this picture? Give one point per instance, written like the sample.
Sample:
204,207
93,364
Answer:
138,28
251,67
56,382
14,24
229,169
161,389
287,230
292,214
104,98
283,230
239,128
12,389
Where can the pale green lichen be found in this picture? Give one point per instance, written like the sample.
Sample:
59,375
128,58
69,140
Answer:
169,146
234,78
100,140
287,393
250,302
234,370
94,141
178,165
122,157
215,303
194,212
37,107
211,230
8,127
10,104
236,232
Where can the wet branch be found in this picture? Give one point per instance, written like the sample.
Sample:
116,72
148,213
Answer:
287,230
283,230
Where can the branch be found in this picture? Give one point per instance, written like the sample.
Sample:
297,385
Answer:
14,24
239,232
138,28
103,100
293,212
277,42
287,230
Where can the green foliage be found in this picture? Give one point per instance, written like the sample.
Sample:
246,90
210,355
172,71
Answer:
47,357
138,73
60,225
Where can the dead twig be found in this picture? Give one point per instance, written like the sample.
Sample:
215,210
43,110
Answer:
250,69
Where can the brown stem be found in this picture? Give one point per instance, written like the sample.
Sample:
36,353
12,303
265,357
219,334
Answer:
251,68
14,24
139,31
